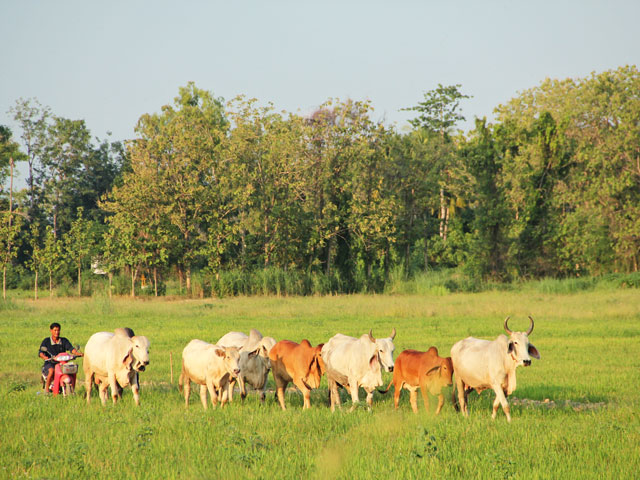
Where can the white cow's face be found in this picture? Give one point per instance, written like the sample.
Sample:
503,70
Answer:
231,361
140,353
521,350
385,353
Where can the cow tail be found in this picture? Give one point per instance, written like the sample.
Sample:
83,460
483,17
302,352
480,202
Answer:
388,387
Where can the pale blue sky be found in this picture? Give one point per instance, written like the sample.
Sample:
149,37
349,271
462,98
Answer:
109,62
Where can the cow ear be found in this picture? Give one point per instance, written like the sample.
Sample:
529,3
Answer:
510,349
374,363
533,351
265,351
254,353
433,370
128,358
220,352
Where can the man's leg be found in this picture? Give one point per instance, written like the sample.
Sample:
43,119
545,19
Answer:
50,372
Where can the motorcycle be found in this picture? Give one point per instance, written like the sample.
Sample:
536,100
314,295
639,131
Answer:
64,376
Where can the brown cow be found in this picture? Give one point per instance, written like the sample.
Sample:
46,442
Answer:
424,370
298,363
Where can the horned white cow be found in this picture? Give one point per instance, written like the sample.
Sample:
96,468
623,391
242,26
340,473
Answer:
254,361
113,359
211,367
356,362
483,364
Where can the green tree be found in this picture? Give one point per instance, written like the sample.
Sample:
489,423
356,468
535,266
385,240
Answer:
33,119
176,154
79,243
34,263
488,255
52,259
10,225
9,152
438,114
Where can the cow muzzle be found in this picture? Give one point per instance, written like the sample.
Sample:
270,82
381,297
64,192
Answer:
526,362
141,366
391,368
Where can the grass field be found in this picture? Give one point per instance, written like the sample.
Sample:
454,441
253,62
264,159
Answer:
575,412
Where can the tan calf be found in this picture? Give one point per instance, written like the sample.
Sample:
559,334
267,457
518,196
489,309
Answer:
424,370
298,363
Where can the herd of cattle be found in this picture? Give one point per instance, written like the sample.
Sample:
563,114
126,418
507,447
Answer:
114,359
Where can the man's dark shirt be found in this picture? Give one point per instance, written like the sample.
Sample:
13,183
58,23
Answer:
53,349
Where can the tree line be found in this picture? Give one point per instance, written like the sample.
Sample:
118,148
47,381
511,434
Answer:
333,201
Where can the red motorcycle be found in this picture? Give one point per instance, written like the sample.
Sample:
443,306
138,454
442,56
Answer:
64,376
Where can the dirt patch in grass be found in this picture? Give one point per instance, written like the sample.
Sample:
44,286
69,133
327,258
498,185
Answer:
551,404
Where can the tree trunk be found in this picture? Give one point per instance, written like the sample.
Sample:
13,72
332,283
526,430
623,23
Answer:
188,280
110,282
35,287
50,285
442,209
133,283
4,282
446,223
79,280
155,279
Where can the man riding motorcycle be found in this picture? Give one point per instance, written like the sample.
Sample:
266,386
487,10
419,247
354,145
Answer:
50,347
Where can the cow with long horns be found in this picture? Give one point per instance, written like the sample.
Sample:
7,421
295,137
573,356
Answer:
482,364
356,362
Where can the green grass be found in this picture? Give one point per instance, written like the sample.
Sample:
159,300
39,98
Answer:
575,411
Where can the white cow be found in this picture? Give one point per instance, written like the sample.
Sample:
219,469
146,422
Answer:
254,361
482,364
356,362
114,360
211,367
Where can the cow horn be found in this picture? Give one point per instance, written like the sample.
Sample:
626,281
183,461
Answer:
393,334
506,327
371,336
530,327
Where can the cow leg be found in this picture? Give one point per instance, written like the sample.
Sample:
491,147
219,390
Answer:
203,396
334,395
440,403
114,387
413,400
306,393
281,386
243,387
425,397
353,383
135,388
186,388
88,384
224,395
231,386
397,390
462,396
370,399
500,400
102,391
213,393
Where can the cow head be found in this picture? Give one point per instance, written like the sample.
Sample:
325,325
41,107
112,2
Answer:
385,349
230,358
520,349
442,374
316,368
140,351
254,363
